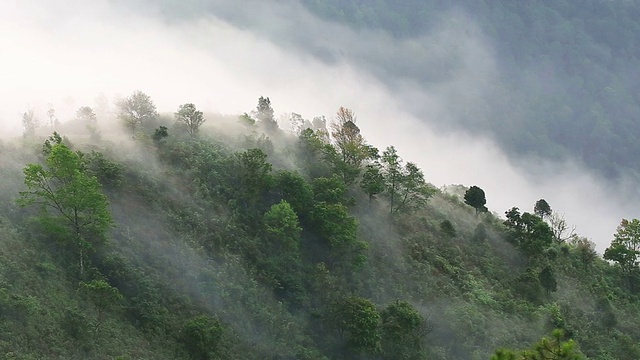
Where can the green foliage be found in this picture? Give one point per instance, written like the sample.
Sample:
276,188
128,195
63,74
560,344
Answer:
351,149
189,117
553,348
103,296
625,246
109,173
69,198
447,228
330,190
529,232
547,279
357,320
222,255
403,330
405,186
160,133
201,338
372,182
281,249
293,188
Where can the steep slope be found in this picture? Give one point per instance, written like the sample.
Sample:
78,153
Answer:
249,242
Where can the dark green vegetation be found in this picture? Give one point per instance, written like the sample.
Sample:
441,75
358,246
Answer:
567,82
212,240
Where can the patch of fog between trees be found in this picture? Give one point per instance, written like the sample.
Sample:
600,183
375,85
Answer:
66,56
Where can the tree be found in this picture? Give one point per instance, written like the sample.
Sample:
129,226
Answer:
160,133
201,338
264,114
69,198
529,232
332,223
405,186
357,320
413,191
293,188
561,230
403,331
312,150
475,198
372,182
190,117
542,208
29,122
549,348
103,296
88,117
625,246
51,114
137,110
555,348
548,279
351,147
392,171
281,246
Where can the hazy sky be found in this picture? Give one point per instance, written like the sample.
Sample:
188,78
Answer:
67,52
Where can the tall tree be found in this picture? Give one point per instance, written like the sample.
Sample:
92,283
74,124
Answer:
625,246
190,117
71,201
542,208
103,296
281,248
29,123
405,185
137,110
475,198
88,117
548,279
372,182
265,115
392,170
51,114
202,337
403,331
529,232
357,320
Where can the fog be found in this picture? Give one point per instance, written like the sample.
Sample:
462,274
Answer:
222,57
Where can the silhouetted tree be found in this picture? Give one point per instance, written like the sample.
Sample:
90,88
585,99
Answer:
542,208
475,198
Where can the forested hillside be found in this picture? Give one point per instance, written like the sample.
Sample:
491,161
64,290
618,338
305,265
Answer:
568,70
138,235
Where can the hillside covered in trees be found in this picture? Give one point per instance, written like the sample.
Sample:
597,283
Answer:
137,235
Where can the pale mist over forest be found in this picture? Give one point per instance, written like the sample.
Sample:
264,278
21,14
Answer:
223,55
